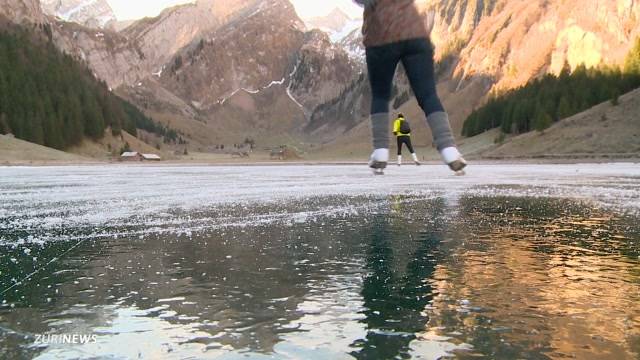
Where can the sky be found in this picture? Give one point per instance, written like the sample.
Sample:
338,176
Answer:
136,9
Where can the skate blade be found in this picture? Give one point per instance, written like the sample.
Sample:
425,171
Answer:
378,165
457,165
460,173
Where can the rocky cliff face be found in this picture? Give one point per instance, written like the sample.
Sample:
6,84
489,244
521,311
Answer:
143,49
501,44
160,38
322,72
265,54
518,40
248,55
511,41
91,13
111,56
22,11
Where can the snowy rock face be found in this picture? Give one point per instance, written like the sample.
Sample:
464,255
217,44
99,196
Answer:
352,44
91,13
322,72
264,48
250,54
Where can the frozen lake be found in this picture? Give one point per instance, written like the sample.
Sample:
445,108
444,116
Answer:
316,262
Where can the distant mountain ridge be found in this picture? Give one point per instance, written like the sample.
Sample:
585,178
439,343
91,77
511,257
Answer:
91,13
227,68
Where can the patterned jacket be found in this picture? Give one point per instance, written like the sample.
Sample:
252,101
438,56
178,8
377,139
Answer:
390,21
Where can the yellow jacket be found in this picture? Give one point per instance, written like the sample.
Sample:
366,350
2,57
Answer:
396,128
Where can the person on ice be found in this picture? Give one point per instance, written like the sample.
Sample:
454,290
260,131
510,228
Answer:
393,32
402,131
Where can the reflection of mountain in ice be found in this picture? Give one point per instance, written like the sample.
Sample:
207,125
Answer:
48,203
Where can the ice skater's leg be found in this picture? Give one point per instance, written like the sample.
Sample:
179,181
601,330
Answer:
418,63
413,153
409,145
399,144
381,65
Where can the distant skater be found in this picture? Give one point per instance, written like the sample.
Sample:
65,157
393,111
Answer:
402,131
394,31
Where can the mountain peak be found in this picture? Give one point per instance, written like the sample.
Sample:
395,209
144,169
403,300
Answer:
339,13
91,13
334,21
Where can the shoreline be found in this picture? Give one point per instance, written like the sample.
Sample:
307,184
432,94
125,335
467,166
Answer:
521,160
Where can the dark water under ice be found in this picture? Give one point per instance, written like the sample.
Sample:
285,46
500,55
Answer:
489,277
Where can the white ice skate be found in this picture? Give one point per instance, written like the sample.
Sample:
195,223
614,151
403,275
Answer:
415,159
378,161
454,160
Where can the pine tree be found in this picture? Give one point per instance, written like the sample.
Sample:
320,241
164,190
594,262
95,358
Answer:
615,98
93,118
564,109
632,62
566,71
51,125
4,124
73,124
38,115
542,121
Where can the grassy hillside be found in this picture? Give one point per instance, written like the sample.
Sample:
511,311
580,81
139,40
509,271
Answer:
606,130
14,150
549,99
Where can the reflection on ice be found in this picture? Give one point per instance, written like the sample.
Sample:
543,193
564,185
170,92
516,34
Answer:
321,262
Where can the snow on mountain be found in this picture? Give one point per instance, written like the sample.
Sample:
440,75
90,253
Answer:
337,24
352,44
90,13
347,30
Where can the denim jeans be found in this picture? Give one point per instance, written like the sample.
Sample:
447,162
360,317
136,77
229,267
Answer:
416,56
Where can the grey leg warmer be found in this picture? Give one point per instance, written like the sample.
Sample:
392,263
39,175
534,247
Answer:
380,130
441,129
